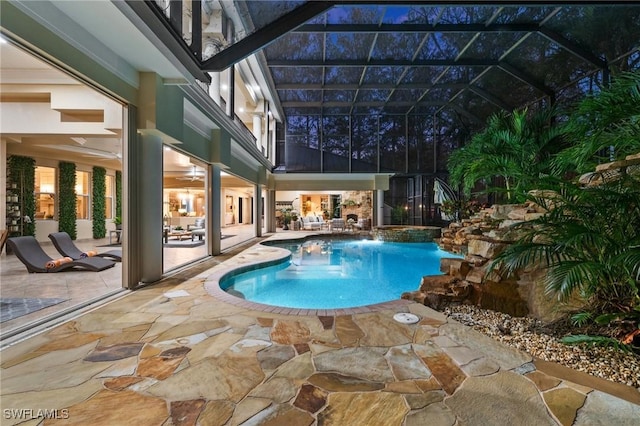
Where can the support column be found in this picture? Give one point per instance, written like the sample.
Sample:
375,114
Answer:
214,87
148,215
257,130
230,99
3,183
270,210
379,201
215,210
257,209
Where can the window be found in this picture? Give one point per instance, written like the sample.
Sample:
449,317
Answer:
109,196
82,195
45,192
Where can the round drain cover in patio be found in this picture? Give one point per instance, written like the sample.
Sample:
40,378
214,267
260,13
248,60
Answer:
406,318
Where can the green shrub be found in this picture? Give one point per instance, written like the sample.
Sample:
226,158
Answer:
67,199
98,209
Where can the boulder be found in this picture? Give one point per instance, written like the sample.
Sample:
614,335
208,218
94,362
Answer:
442,290
501,211
533,216
416,296
475,260
518,214
462,233
455,267
437,282
508,223
503,296
486,249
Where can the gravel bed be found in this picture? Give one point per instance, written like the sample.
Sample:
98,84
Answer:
521,333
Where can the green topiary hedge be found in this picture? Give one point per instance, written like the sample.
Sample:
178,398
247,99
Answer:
118,194
67,199
98,210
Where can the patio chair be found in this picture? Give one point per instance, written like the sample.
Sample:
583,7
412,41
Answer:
28,250
337,224
64,244
199,224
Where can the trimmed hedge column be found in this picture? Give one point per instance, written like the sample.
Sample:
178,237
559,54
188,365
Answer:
119,193
67,204
98,211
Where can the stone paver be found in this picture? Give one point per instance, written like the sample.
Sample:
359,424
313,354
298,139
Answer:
564,404
604,409
148,359
504,398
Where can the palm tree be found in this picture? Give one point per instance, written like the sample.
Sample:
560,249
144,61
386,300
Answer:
517,148
604,125
589,243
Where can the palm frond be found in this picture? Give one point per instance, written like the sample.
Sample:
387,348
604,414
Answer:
630,258
595,341
608,118
569,276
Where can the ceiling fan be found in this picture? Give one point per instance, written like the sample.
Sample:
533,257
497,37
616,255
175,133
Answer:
193,176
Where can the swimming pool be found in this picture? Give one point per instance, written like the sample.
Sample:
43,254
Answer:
333,274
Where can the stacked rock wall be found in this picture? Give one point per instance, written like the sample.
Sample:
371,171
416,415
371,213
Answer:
480,239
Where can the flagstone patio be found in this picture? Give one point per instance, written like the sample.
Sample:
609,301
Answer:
174,354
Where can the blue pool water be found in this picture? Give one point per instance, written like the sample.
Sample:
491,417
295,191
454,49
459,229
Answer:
339,274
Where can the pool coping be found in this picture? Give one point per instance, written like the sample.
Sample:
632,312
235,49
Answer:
261,255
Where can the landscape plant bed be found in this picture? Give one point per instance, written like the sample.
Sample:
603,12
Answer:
543,341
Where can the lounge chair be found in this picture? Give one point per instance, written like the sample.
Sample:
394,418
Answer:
65,245
28,250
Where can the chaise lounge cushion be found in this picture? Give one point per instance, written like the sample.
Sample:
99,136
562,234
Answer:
65,246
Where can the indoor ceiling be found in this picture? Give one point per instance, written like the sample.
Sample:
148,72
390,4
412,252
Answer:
29,80
21,72
368,57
